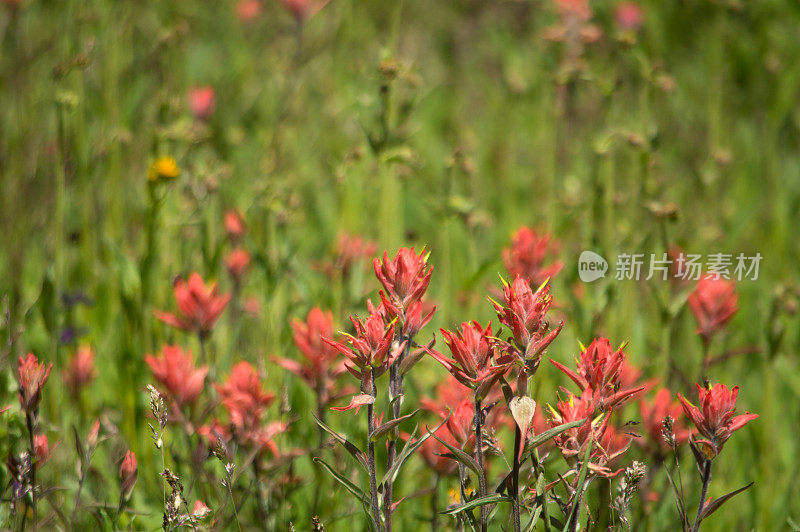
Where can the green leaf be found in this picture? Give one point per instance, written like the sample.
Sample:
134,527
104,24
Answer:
350,447
678,499
407,451
387,427
576,504
714,505
549,434
352,488
459,455
529,526
475,503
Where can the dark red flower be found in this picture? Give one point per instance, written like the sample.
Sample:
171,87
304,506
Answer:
32,377
524,312
653,414
715,418
200,306
321,366
713,303
528,253
405,278
81,370
244,400
202,102
176,373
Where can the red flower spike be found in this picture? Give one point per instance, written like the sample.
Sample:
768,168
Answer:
237,263
524,312
528,253
128,472
200,306
405,278
32,377
177,374
713,303
715,418
202,102
321,366
235,225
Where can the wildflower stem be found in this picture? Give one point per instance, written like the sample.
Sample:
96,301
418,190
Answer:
373,480
78,493
395,391
515,479
479,459
703,493
30,422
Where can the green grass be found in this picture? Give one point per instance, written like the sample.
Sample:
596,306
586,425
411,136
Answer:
482,130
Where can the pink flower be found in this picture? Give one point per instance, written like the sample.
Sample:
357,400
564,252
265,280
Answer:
237,262
200,306
41,447
321,366
713,303
248,10
81,370
653,414
202,101
200,510
244,400
32,377
128,472
176,373
715,418
629,16
527,256
234,225
303,9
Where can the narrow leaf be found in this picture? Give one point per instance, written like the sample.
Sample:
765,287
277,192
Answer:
576,504
459,455
475,503
350,447
678,500
352,488
387,427
549,434
714,505
409,449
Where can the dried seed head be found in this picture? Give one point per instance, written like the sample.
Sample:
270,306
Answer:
668,432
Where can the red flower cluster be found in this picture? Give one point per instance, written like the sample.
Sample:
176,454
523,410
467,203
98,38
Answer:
527,256
524,312
715,418
320,368
245,401
405,279
713,303
32,377
235,225
200,306
128,472
599,372
475,363
176,372
237,262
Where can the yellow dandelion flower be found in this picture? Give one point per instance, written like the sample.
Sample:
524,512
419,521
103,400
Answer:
163,169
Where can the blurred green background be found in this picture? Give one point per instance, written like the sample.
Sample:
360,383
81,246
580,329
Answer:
439,124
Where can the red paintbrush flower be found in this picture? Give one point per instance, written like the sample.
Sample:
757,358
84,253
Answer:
128,472
524,312
405,278
527,255
176,373
237,262
715,418
598,372
235,225
32,377
653,414
41,448
202,102
629,16
200,306
321,366
244,400
475,362
81,370
713,303
368,354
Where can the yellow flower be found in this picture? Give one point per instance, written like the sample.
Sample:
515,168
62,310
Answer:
163,169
